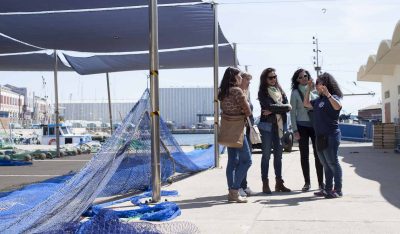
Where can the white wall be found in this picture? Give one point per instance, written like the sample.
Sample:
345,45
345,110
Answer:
391,83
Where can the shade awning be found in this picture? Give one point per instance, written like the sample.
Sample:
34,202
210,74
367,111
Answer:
30,62
383,65
52,5
119,30
8,45
191,58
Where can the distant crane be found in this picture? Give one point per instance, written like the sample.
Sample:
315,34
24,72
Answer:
359,94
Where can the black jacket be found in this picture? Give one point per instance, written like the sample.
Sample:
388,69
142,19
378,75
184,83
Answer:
267,103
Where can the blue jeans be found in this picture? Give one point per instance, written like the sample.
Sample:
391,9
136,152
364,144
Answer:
239,161
271,140
330,162
243,185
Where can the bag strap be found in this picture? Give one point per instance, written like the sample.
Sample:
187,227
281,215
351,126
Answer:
301,95
248,121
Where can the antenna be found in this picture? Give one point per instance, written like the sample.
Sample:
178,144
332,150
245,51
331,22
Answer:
317,66
44,87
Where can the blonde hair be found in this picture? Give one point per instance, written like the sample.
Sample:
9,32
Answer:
246,75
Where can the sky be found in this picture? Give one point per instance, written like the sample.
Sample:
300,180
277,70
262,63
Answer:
268,33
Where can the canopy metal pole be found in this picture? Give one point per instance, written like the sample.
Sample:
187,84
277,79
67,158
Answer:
109,102
235,60
155,118
216,103
56,102
0,98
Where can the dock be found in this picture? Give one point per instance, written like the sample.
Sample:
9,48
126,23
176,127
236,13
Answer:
192,131
371,201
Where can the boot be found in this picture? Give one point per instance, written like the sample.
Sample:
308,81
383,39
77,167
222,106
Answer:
279,187
265,187
234,196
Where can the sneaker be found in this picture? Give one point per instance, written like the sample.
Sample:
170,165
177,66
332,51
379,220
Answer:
249,192
321,193
340,193
242,193
332,194
306,187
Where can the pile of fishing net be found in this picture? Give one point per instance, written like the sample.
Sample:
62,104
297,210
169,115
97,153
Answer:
121,166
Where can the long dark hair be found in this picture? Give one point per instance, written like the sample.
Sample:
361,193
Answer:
331,84
263,89
229,80
295,82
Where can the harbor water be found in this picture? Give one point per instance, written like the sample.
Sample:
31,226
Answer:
194,139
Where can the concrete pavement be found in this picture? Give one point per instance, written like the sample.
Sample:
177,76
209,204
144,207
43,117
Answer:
371,201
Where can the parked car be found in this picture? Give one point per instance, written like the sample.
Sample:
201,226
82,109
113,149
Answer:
15,126
287,139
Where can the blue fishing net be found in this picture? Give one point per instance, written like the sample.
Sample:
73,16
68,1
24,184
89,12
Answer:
121,166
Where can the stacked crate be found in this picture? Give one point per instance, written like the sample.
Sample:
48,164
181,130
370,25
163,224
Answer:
397,134
378,136
389,136
385,136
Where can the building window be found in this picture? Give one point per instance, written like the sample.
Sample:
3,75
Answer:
387,94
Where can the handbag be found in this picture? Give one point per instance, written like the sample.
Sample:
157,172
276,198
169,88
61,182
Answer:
322,142
311,116
231,132
255,137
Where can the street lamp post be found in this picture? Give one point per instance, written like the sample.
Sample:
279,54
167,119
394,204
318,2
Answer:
19,108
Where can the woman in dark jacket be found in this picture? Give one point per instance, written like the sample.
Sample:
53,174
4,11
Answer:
273,120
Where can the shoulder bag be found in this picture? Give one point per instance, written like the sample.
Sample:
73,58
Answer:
231,131
255,137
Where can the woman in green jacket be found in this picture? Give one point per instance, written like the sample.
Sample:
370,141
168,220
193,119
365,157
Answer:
303,127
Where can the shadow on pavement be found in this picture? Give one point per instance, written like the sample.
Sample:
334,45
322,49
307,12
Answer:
379,165
292,201
202,202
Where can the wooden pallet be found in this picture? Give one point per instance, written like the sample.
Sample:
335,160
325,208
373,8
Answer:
385,136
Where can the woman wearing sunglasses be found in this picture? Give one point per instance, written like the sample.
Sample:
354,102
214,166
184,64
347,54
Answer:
274,107
234,103
303,127
326,124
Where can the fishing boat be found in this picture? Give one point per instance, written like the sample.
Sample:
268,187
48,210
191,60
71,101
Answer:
66,135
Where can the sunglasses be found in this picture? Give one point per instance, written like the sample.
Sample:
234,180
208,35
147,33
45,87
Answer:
319,83
272,77
302,77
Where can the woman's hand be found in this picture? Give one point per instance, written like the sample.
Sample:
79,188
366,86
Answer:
266,112
306,101
310,84
296,136
324,91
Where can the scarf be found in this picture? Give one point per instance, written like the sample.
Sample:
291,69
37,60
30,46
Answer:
303,89
276,95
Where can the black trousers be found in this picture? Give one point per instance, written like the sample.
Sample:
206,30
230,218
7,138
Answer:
305,134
